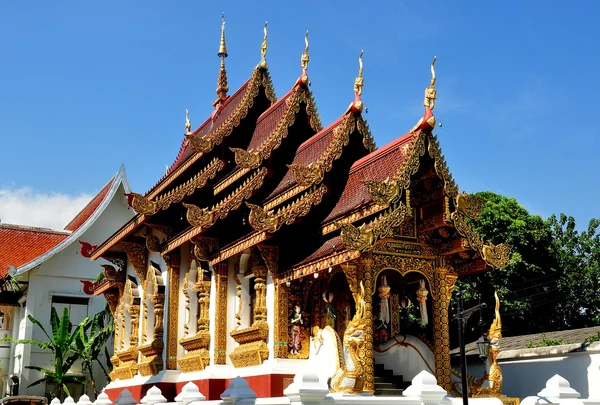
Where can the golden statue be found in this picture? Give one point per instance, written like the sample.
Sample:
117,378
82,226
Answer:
494,376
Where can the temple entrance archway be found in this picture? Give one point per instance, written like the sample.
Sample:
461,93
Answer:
401,306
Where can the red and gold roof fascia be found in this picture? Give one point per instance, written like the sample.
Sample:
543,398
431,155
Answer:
203,218
125,230
252,159
314,173
260,78
239,246
356,215
270,221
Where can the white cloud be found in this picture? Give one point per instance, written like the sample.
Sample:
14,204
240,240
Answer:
25,206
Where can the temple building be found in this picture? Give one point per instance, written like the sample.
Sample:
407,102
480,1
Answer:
274,244
52,270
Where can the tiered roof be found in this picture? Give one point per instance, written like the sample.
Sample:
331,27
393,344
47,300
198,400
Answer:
293,179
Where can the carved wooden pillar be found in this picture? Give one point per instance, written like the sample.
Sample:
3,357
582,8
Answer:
442,286
220,343
174,263
203,288
134,310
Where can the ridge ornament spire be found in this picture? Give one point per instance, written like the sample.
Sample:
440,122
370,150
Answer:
357,105
188,123
222,87
263,49
304,59
427,122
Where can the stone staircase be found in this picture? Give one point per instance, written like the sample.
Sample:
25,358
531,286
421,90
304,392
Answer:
388,384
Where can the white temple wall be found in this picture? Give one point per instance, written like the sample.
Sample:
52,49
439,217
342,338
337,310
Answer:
185,261
59,276
271,315
212,312
232,303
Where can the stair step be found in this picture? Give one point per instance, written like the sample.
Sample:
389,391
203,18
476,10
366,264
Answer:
385,386
388,392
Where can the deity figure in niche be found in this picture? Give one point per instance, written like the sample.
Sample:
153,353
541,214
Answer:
330,309
384,306
296,322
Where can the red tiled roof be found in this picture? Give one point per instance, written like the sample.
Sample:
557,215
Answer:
309,152
377,165
212,123
267,122
89,209
21,244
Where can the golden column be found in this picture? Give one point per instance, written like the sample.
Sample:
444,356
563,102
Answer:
367,277
220,343
281,321
442,286
174,263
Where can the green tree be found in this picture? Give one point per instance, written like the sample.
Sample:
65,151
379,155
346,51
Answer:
61,345
529,282
578,255
90,342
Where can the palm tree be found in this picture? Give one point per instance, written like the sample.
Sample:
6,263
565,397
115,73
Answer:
91,341
62,345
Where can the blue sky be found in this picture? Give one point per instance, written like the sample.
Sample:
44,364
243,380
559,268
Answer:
86,86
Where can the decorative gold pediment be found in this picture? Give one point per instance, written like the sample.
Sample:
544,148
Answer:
204,247
246,159
363,238
270,221
468,205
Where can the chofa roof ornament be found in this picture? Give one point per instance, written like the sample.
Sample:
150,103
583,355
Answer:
304,59
427,122
357,105
263,49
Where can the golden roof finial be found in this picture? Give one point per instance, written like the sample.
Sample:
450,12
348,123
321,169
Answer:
431,92
263,49
305,58
358,83
188,123
222,87
222,47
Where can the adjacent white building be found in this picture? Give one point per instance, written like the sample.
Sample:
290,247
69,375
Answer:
51,265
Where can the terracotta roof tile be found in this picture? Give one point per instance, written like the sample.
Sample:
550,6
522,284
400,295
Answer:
309,152
213,122
21,244
268,121
572,336
89,209
378,165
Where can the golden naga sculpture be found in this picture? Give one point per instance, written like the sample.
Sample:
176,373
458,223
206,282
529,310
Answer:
141,204
469,205
263,50
497,256
246,159
350,377
427,122
307,175
261,219
363,238
199,144
198,217
494,376
384,192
